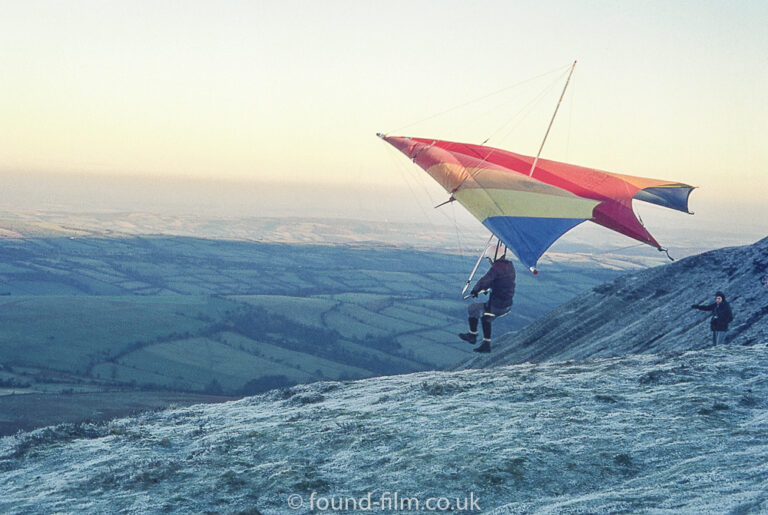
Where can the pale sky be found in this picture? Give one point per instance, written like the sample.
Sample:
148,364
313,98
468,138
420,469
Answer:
293,92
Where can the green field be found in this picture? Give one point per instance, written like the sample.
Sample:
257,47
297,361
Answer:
184,342
89,312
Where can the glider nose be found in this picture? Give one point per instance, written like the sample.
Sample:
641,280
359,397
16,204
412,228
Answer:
405,145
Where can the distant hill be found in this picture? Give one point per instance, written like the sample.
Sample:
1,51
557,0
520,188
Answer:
582,244
648,311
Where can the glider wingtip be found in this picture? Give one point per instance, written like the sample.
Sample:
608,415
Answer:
666,251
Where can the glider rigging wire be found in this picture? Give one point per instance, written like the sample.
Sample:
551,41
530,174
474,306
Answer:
475,100
526,213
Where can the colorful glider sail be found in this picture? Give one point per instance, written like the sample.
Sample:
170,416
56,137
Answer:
529,210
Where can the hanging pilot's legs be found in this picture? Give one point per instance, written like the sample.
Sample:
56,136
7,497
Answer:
471,336
485,347
475,311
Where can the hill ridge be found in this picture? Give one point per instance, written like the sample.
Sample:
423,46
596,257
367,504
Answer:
648,311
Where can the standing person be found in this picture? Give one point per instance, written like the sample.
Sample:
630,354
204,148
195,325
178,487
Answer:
721,317
500,279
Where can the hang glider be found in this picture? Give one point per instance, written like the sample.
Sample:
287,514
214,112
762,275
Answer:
528,203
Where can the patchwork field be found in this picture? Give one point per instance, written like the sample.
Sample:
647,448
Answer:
84,312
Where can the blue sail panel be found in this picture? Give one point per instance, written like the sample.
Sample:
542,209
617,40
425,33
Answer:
671,197
529,237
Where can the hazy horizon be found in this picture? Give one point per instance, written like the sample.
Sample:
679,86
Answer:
271,108
412,203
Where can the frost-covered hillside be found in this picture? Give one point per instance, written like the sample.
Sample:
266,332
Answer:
646,433
648,311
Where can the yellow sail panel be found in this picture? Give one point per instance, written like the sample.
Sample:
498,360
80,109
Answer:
486,203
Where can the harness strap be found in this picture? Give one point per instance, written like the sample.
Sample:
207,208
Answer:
497,315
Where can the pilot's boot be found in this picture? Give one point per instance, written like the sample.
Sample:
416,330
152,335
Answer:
484,347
